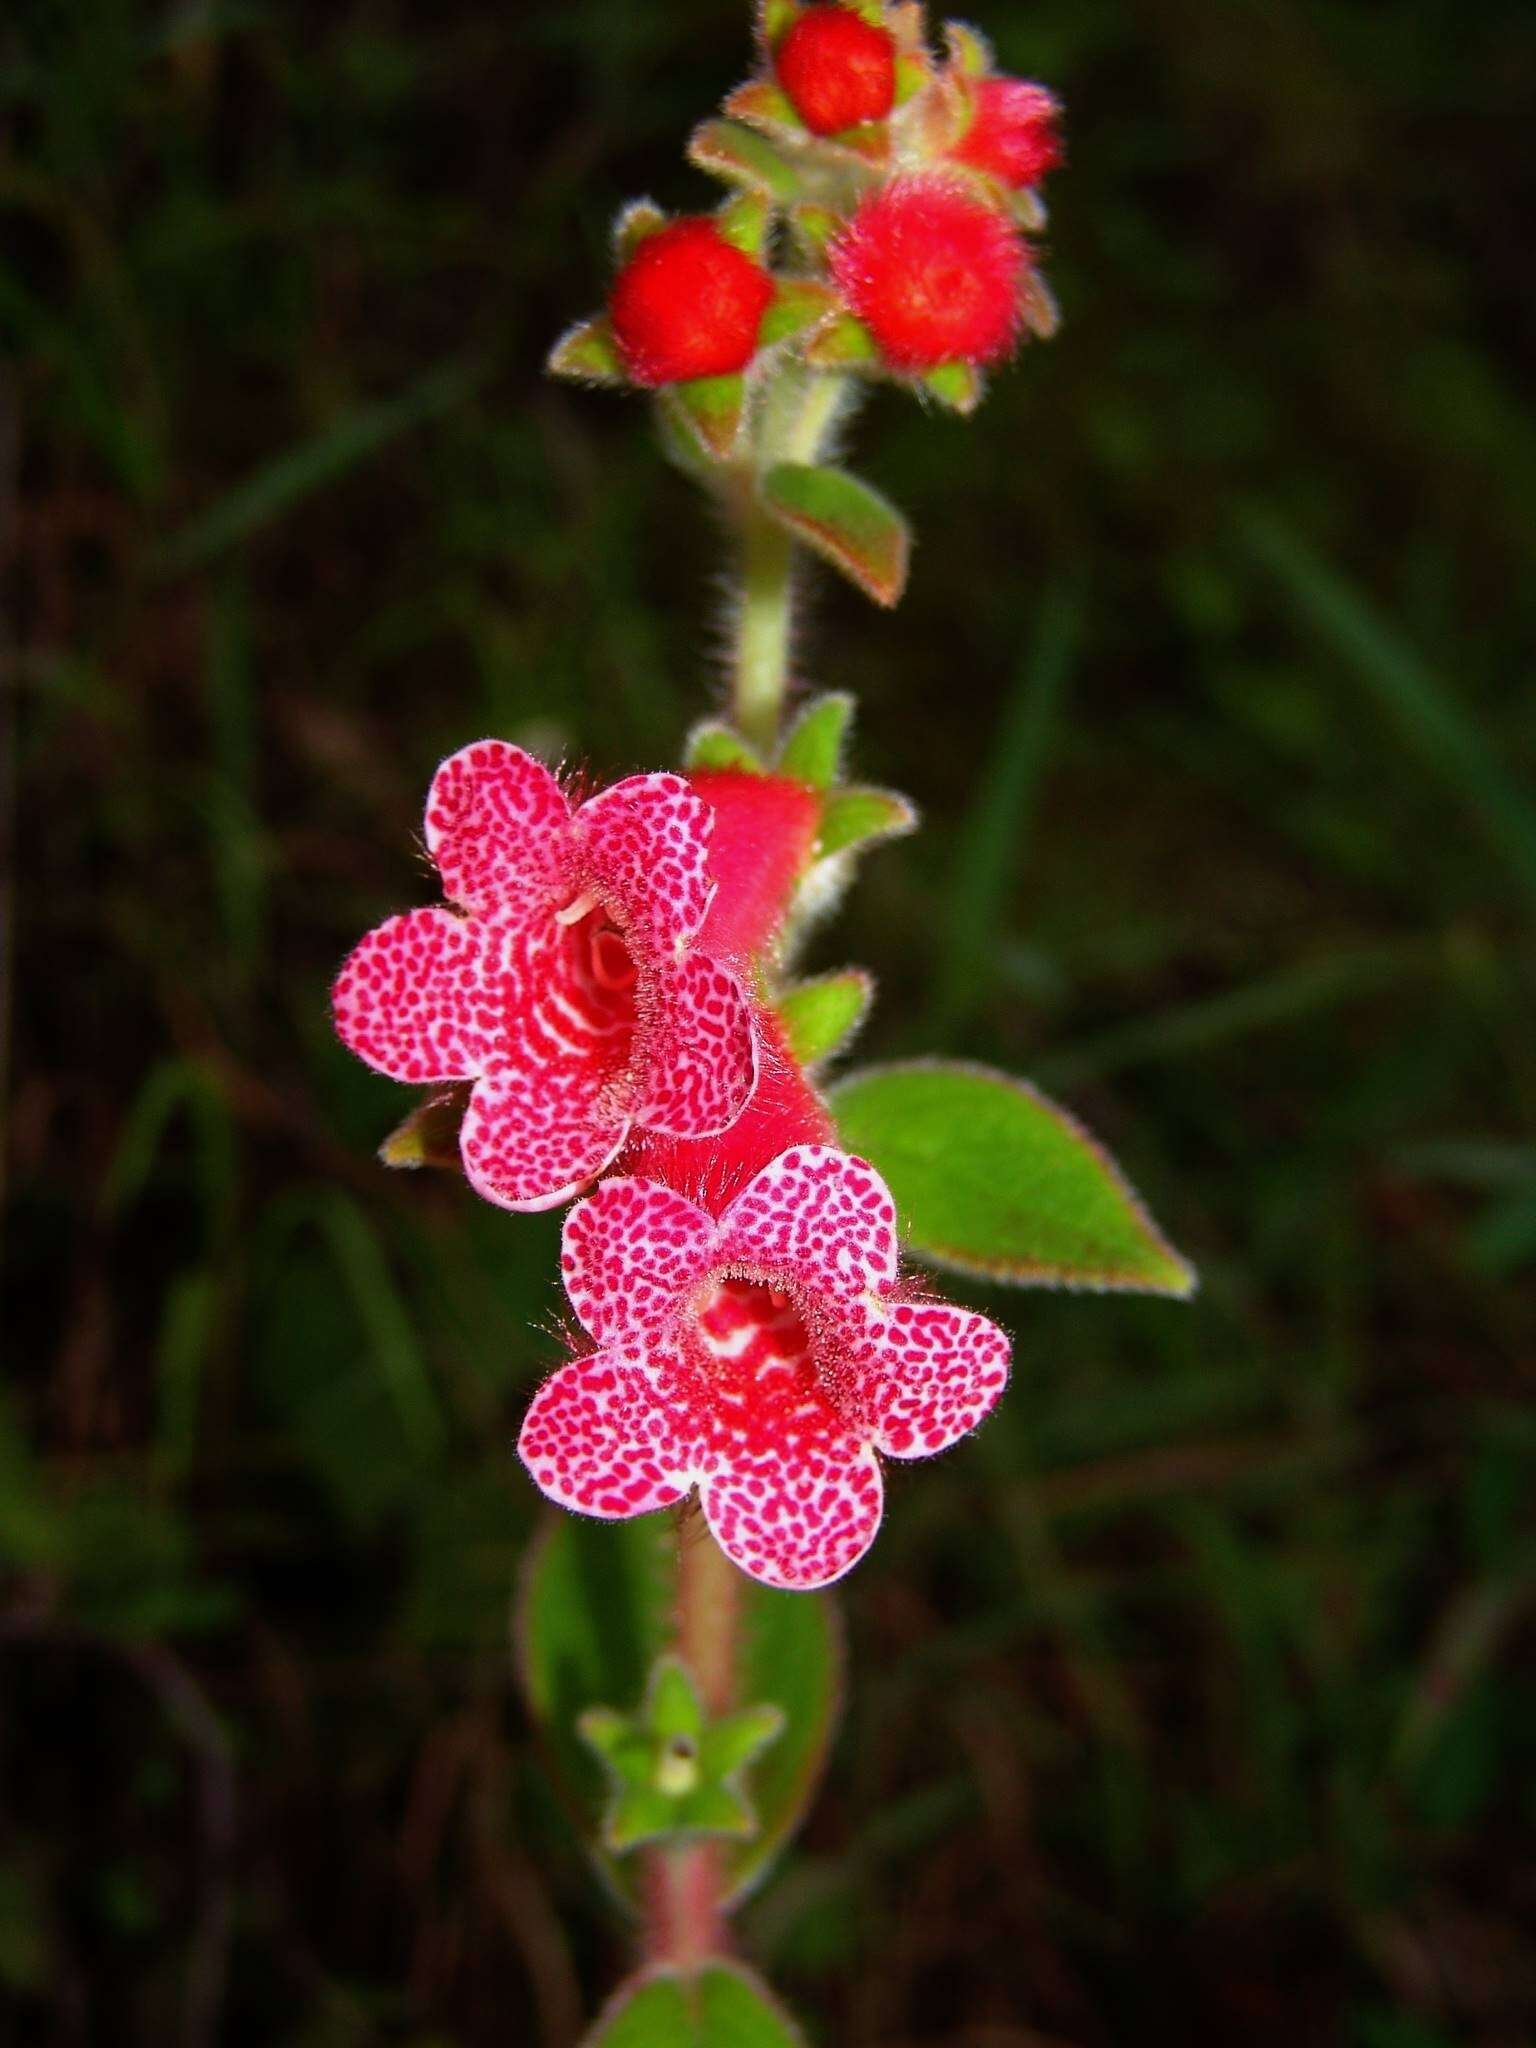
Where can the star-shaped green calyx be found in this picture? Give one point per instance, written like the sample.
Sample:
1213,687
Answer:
672,1770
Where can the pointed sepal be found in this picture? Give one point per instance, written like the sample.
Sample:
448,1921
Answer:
588,354
845,521
970,54
672,1770
813,750
774,19
857,816
959,386
429,1136
635,224
1042,315
713,744
766,107
821,1017
814,227
800,304
744,223
844,343
740,156
710,410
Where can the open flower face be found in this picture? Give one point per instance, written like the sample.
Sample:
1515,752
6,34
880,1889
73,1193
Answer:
766,1356
566,985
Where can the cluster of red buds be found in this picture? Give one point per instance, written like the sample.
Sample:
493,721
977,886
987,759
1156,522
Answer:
882,203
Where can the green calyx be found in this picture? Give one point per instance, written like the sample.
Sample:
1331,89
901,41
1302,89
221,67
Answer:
672,1770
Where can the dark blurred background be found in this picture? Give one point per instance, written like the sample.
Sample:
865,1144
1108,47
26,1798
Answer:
1193,1701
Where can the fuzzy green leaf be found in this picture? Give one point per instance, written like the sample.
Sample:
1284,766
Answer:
854,816
813,751
821,1016
712,744
588,354
739,156
850,525
723,2006
992,1179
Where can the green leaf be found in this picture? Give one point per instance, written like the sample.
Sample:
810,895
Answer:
713,744
852,526
588,354
992,1179
813,752
594,1616
738,155
821,1016
711,410
429,1136
799,303
854,816
723,2006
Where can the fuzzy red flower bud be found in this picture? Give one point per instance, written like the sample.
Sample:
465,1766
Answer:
1016,134
838,69
688,304
934,273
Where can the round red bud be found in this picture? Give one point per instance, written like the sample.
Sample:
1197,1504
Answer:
1016,133
934,273
688,304
837,68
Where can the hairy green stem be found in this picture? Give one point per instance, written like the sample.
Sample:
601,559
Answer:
798,414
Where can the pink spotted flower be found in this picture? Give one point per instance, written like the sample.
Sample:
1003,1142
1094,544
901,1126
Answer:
565,984
765,1356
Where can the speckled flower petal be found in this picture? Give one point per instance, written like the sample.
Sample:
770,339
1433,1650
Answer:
599,1438
825,1218
791,1490
499,828
925,1372
703,1047
416,998
527,1145
629,1255
798,1516
643,846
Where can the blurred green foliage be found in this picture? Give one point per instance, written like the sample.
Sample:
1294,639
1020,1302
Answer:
1195,1698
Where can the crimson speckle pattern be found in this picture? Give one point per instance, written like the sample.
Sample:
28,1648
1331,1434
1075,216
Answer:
764,1357
568,989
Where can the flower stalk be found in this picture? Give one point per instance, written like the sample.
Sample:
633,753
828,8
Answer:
799,415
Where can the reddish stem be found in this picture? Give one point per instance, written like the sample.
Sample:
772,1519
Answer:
684,1909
